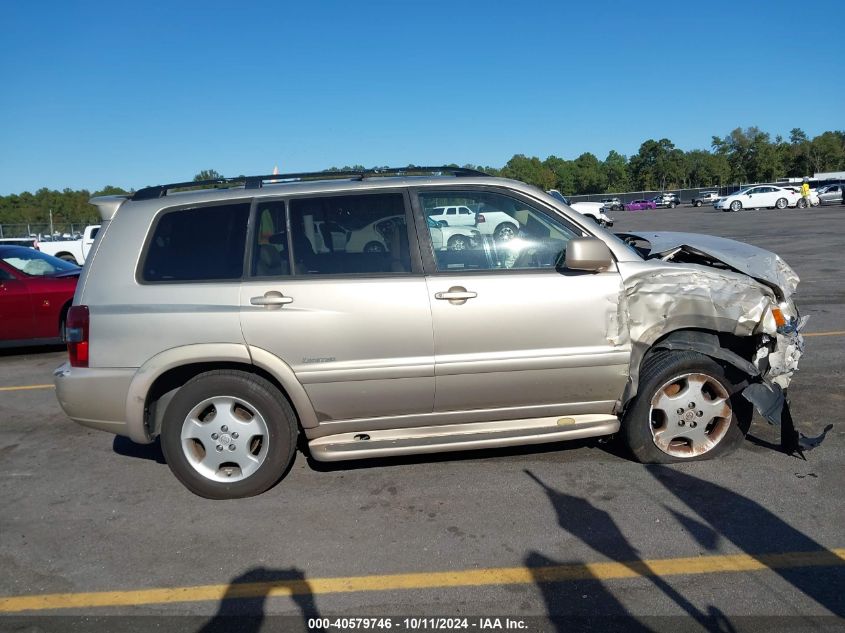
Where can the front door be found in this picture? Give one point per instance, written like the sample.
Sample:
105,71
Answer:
515,333
353,323
16,319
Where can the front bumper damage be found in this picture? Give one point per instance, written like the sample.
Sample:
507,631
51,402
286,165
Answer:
699,286
780,355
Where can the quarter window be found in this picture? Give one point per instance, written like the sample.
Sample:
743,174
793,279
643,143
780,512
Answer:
199,244
505,234
364,234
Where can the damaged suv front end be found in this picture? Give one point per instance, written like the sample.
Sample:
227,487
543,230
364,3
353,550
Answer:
725,299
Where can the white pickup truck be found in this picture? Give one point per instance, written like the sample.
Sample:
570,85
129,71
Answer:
596,211
487,222
74,251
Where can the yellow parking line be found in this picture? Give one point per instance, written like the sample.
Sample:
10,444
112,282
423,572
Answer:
836,333
27,387
427,580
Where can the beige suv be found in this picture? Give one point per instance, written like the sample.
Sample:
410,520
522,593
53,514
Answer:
230,320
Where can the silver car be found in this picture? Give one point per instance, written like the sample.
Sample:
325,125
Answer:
226,323
831,194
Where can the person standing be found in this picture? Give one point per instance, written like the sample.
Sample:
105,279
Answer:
805,193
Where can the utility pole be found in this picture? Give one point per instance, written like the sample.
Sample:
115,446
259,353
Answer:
51,223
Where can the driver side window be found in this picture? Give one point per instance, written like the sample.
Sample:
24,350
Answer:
505,233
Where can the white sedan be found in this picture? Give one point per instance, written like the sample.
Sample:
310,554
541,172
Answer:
760,197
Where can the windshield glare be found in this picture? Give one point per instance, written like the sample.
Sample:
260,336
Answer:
36,263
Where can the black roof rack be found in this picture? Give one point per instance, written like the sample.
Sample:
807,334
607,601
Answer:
256,182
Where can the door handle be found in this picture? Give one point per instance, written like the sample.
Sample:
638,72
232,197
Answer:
456,295
270,299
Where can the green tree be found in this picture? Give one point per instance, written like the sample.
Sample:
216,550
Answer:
827,152
208,174
616,172
589,174
530,170
657,165
564,174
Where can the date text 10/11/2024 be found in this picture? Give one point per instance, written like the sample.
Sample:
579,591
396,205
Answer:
417,624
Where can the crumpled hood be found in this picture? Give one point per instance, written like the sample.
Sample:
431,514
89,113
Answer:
760,264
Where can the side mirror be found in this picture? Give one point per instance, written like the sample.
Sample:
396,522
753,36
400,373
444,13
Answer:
588,253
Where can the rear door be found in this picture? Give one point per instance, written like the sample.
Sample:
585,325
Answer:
513,333
353,325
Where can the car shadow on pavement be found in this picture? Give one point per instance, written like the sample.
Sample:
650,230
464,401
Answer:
124,446
577,600
592,607
242,608
756,531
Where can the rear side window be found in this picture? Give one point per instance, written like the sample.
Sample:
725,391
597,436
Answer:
199,244
353,234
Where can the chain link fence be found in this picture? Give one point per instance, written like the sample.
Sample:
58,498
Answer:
43,231
685,195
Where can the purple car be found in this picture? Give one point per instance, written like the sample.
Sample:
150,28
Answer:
640,205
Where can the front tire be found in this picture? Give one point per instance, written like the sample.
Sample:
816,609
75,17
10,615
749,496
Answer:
801,204
228,434
684,410
736,205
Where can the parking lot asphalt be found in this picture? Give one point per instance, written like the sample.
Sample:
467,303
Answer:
97,526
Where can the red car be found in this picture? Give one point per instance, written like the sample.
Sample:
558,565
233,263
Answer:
640,205
36,291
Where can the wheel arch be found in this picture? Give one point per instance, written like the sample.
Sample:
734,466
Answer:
732,351
158,379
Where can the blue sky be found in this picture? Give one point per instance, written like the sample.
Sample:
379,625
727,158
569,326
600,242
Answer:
139,93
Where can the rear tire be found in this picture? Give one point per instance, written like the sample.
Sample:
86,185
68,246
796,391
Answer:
652,425
374,247
781,203
697,203
458,243
68,258
505,231
196,436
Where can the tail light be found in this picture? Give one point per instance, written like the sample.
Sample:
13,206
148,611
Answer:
76,335
480,218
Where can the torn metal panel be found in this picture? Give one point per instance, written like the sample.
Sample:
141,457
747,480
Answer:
674,297
693,286
755,262
767,399
771,403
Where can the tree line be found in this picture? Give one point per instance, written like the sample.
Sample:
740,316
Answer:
743,156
